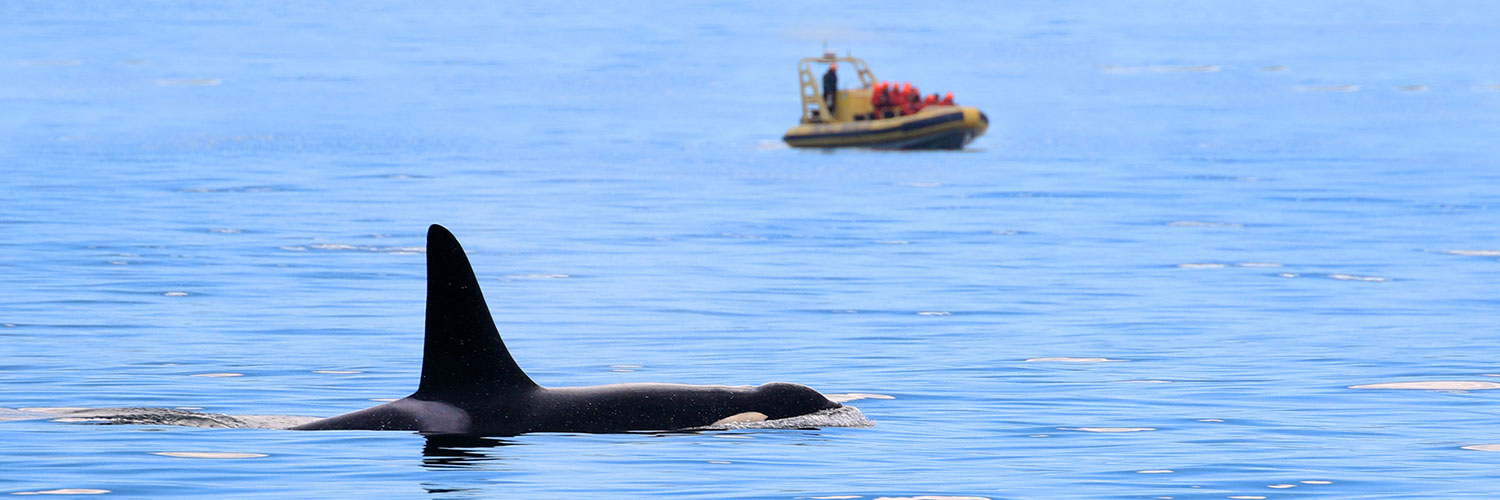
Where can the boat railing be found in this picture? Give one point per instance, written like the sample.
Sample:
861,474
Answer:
814,105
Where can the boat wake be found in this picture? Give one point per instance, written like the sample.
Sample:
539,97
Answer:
155,416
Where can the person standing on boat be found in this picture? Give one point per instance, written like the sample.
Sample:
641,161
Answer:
831,87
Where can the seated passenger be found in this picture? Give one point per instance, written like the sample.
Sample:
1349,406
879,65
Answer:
885,100
880,98
911,98
947,99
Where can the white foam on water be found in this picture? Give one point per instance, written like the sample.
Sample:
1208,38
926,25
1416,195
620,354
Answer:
1433,385
1474,253
64,491
855,396
1201,265
176,294
53,409
1155,471
152,416
1314,481
218,375
1258,265
1356,277
170,416
1483,447
11,415
1281,486
769,145
1107,429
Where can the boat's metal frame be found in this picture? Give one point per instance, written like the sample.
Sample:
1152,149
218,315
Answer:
814,104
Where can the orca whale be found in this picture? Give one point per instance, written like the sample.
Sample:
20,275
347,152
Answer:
471,385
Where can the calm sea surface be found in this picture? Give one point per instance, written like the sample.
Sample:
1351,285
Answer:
1191,229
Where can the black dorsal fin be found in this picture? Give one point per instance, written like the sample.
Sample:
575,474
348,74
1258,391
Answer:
463,354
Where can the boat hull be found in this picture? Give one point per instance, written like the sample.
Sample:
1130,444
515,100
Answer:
938,127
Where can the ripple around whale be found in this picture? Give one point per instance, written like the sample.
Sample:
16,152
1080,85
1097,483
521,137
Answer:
845,416
157,416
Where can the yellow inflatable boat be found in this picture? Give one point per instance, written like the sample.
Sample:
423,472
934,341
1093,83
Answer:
855,124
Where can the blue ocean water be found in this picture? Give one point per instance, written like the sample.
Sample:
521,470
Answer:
1191,229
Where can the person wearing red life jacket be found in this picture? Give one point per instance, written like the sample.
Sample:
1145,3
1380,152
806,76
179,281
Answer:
892,92
880,98
911,99
888,100
947,99
931,100
898,97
